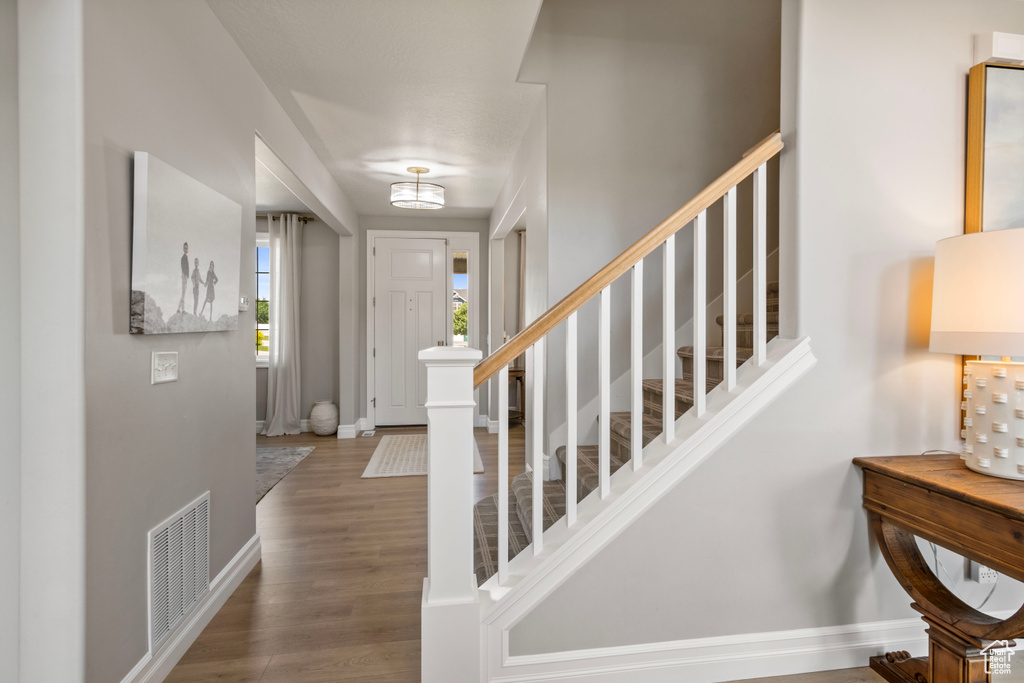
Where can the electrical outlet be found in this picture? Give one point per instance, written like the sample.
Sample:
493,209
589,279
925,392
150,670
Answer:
983,574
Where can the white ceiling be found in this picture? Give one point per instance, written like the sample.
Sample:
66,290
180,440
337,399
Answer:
376,86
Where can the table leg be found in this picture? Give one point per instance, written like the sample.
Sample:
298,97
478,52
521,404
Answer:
900,667
951,658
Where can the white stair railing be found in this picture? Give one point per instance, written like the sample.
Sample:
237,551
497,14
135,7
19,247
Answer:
451,605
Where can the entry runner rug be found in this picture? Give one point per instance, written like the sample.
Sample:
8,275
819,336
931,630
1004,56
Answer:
273,463
405,455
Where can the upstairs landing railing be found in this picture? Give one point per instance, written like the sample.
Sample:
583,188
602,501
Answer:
450,607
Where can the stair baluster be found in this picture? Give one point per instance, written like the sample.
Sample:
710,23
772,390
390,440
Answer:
760,263
604,372
636,364
503,474
729,290
700,315
668,323
571,416
537,450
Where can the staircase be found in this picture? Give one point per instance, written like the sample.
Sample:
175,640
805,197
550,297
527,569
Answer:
520,498
480,583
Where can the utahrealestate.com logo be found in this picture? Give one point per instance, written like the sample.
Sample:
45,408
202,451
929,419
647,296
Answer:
998,655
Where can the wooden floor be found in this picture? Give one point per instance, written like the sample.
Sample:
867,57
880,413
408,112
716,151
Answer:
336,596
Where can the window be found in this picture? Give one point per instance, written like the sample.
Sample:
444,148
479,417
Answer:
262,301
460,298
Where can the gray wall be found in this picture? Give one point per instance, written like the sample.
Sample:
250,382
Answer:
522,201
10,345
166,79
770,533
510,293
261,394
647,103
319,316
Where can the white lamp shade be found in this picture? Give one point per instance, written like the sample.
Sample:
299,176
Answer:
978,294
417,195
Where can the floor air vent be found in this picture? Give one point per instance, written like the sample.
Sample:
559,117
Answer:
179,568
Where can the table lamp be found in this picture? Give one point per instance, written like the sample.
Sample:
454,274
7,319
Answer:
978,309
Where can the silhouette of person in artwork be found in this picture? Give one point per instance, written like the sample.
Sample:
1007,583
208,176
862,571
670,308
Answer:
197,280
184,277
211,280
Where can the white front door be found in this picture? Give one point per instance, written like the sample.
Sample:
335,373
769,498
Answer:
411,301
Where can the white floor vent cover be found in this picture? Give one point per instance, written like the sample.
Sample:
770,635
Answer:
179,568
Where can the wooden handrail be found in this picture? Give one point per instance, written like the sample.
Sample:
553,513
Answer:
540,327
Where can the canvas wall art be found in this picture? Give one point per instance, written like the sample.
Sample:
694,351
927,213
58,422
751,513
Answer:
995,148
186,248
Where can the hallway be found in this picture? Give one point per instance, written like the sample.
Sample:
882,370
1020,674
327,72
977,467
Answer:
337,594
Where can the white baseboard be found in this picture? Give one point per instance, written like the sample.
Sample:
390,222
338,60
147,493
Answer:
481,421
352,431
725,658
259,425
492,426
154,668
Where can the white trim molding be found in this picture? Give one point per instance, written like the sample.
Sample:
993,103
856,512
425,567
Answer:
259,425
155,667
720,658
352,431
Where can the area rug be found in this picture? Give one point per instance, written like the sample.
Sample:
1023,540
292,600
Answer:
405,455
273,463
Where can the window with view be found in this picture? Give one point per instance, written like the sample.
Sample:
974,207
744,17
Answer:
262,301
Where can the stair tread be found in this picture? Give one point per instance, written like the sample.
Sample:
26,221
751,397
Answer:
771,317
717,353
684,387
485,536
588,473
554,501
622,425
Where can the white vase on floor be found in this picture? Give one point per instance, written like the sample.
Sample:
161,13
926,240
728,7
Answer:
323,419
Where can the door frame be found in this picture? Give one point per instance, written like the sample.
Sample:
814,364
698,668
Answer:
457,241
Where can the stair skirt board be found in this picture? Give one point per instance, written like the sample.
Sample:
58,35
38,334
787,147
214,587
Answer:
534,577
155,667
705,660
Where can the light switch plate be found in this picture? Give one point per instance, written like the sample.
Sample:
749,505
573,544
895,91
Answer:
165,367
243,303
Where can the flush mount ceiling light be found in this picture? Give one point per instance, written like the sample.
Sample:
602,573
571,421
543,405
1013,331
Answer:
417,195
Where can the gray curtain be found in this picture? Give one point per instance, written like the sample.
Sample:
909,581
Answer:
283,376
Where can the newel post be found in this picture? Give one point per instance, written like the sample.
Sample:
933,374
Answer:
450,616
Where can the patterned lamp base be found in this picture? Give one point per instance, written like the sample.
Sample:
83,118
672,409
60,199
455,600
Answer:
994,425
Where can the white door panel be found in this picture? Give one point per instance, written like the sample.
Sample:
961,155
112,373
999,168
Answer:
410,288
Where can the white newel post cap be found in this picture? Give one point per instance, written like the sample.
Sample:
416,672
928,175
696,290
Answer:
451,355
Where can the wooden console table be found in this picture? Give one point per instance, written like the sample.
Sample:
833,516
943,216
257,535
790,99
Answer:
937,498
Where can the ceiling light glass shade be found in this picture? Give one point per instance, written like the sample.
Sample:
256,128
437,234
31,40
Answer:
416,194
976,295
